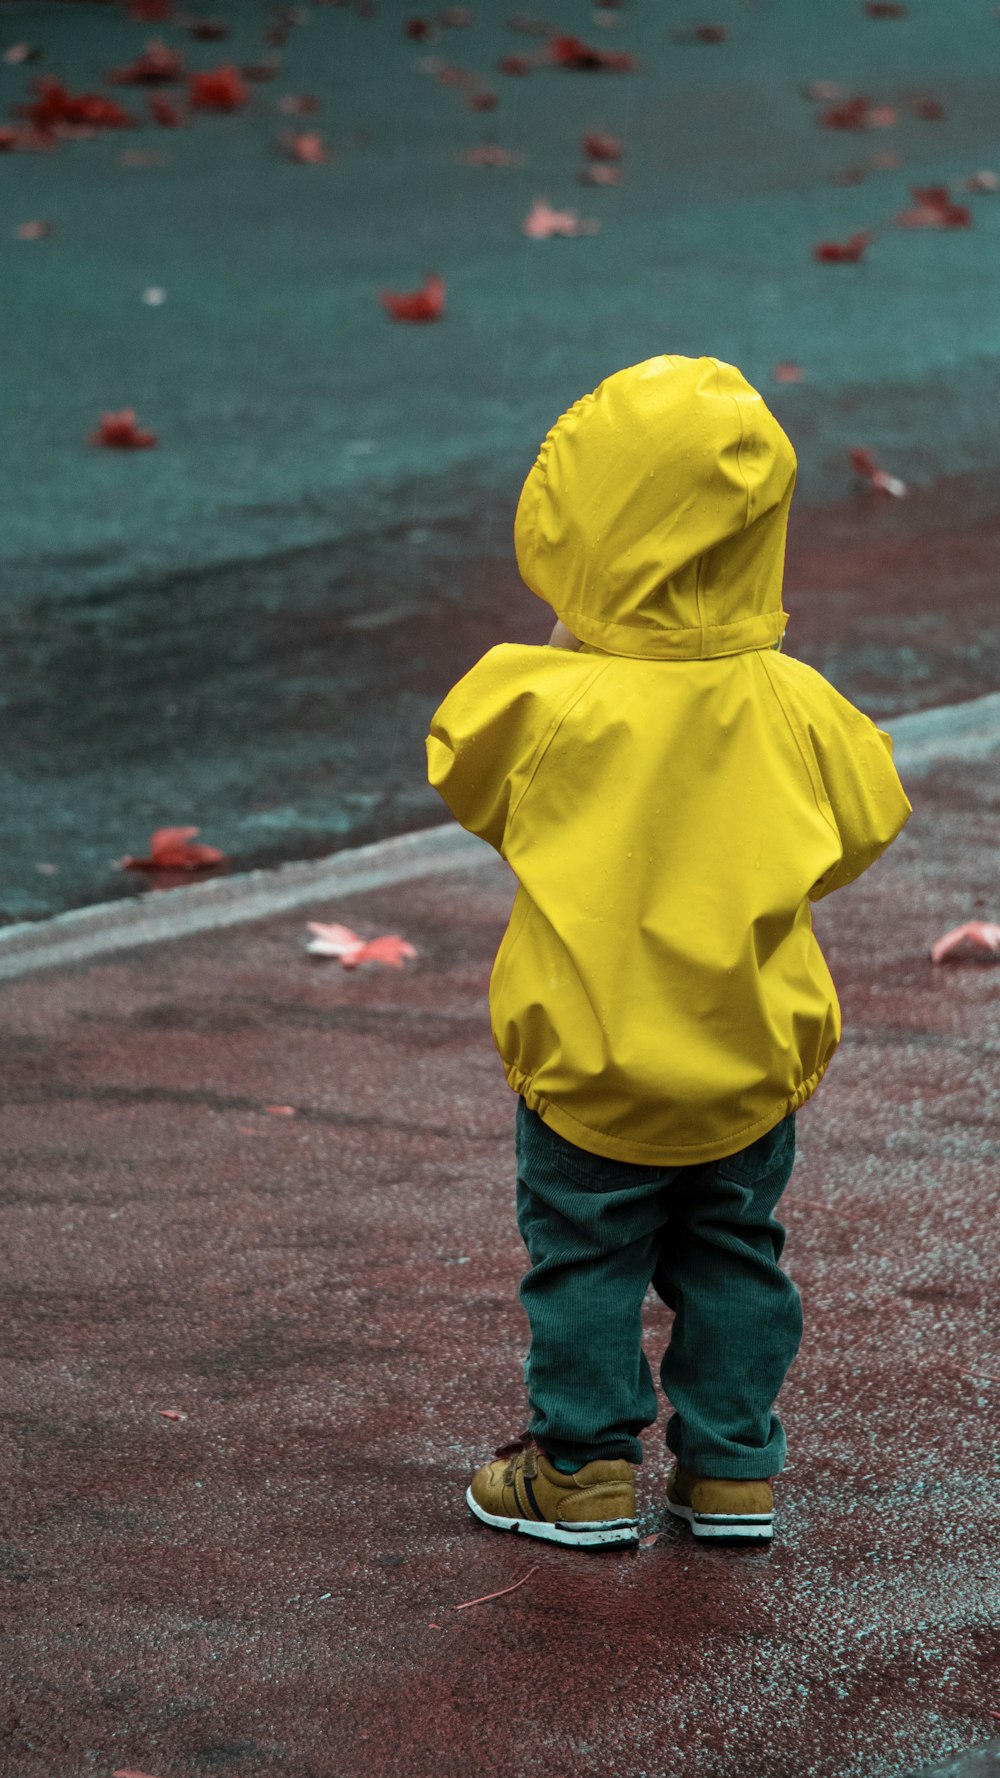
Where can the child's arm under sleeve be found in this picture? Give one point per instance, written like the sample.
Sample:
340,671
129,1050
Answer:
867,800
487,736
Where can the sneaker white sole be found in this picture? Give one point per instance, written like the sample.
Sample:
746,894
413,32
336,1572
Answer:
590,1535
747,1527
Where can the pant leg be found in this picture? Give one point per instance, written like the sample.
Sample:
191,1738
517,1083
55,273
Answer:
738,1316
591,1227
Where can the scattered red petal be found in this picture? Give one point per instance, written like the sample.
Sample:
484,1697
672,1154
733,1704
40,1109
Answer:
868,470
710,33
985,180
977,938
341,942
421,30
884,9
27,139
483,101
21,52
572,52
839,252
308,147
281,1110
882,117
646,1543
165,112
127,1772
170,850
600,175
121,432
55,105
602,148
489,155
934,210
851,114
299,104
542,221
172,1414
150,12
928,109
34,231
418,305
449,76
221,89
260,70
787,373
207,30
159,64
515,65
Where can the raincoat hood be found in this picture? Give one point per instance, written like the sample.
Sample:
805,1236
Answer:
653,521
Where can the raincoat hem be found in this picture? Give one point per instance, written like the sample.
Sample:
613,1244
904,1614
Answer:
654,1154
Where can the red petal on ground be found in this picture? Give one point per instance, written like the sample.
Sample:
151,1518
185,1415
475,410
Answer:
515,65
299,104
883,161
127,1772
150,12
710,33
418,305
165,112
27,140
848,251
421,30
21,52
602,148
822,89
929,109
863,461
33,231
787,373
280,1110
600,174
934,210
572,52
159,64
172,1414
308,147
884,9
260,70
976,937
852,114
882,117
170,849
489,155
207,30
484,101
54,104
388,949
220,89
120,431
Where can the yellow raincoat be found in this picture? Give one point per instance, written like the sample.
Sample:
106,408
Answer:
674,794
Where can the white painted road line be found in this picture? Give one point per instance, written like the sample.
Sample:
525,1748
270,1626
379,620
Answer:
969,731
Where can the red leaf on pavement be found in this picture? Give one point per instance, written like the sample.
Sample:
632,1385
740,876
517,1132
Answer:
120,431
884,9
515,65
483,101
600,174
489,155
542,221
929,109
150,12
417,305
159,64
421,30
787,373
572,52
280,1110
220,89
710,33
307,147
55,105
34,231
127,1772
977,938
299,104
843,252
882,117
172,1414
165,112
170,849
340,941
868,471
850,114
934,210
602,148
27,140
207,30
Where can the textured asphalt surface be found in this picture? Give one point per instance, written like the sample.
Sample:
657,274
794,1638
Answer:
326,1295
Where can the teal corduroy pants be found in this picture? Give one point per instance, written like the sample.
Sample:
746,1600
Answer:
598,1234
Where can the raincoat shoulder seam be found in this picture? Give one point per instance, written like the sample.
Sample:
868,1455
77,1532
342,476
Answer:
547,739
817,786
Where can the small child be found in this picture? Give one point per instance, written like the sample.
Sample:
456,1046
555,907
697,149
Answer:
671,793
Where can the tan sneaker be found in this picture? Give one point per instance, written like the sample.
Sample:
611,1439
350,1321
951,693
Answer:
741,1511
522,1491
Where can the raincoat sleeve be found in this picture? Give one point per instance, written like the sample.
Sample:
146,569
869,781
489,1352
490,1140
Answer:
866,799
489,734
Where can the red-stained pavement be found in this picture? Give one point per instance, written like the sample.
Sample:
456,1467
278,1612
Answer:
268,1584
